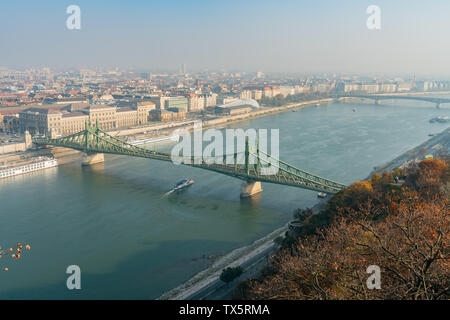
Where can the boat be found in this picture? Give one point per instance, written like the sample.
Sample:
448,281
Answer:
321,195
440,119
22,167
183,184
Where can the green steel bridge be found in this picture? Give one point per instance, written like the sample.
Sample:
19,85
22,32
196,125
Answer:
93,141
378,97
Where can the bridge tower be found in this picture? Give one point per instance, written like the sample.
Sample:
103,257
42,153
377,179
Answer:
90,158
250,187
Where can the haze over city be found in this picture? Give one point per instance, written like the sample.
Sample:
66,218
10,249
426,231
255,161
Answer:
268,36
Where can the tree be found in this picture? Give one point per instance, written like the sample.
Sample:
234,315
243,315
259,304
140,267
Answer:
13,252
402,229
410,246
229,274
375,179
429,177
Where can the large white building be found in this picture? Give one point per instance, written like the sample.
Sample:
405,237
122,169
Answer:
196,103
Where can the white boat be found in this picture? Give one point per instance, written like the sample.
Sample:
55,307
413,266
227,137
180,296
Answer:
35,164
183,184
440,119
321,195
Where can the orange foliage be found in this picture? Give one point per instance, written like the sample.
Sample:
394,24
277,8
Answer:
402,229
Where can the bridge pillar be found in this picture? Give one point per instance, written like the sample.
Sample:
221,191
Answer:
28,141
438,105
93,158
250,188
377,101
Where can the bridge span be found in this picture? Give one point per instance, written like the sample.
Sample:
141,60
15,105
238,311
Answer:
94,142
378,97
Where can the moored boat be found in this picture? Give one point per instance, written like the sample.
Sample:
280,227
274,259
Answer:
22,167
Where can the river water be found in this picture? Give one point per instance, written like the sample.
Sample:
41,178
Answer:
131,242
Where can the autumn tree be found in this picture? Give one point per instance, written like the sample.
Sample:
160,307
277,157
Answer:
411,246
402,229
13,253
429,177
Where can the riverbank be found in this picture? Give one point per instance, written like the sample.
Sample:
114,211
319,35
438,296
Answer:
252,258
166,129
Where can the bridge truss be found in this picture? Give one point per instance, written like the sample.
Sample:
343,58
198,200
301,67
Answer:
94,140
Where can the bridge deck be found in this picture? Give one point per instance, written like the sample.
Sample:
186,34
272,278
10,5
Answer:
396,97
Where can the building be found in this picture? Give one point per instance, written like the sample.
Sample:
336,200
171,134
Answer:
226,100
302,89
38,120
237,107
160,115
246,94
388,87
174,102
106,116
267,92
210,100
370,88
69,123
257,94
143,111
126,117
321,87
196,103
73,118
10,124
423,85
275,91
178,113
168,115
232,110
404,87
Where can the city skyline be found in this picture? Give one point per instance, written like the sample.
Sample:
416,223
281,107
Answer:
267,36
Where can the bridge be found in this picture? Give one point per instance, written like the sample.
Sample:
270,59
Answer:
377,97
94,142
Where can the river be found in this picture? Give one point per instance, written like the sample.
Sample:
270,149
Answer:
131,242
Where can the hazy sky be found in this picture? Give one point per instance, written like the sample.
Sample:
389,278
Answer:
249,35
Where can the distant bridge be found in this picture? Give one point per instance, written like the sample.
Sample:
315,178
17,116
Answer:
94,143
377,97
